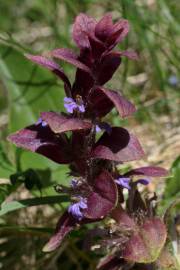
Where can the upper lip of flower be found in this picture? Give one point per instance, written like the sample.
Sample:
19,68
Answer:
124,182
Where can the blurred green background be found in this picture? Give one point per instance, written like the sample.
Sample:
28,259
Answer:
152,83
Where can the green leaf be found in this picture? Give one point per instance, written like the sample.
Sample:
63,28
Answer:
7,207
6,167
30,89
16,229
173,183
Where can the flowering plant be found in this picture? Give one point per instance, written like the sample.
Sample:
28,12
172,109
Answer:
134,235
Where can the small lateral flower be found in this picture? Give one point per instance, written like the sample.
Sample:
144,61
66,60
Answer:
100,199
41,122
71,105
143,181
76,208
123,182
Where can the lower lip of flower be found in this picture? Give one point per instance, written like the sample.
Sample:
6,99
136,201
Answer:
76,208
71,105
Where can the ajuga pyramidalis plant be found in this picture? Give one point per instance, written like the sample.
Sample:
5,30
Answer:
135,234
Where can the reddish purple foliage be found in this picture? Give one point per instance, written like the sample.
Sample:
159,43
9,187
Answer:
98,185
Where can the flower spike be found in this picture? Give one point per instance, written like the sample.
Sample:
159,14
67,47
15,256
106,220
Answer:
95,150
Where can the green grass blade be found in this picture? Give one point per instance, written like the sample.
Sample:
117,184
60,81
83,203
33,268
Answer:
7,207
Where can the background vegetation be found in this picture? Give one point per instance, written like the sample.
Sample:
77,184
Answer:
152,84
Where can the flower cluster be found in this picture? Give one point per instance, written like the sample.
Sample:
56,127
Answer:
97,186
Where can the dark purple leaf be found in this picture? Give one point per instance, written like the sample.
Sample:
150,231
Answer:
70,57
119,146
123,106
59,123
83,81
146,243
118,33
104,27
83,25
135,202
43,141
148,171
103,100
108,65
99,103
123,219
51,65
130,54
103,198
64,226
97,46
135,249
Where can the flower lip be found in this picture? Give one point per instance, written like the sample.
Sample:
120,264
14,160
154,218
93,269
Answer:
76,208
143,181
124,182
70,104
41,122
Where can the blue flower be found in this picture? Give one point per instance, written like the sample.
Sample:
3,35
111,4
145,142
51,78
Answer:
41,122
70,105
143,181
173,80
75,208
123,182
